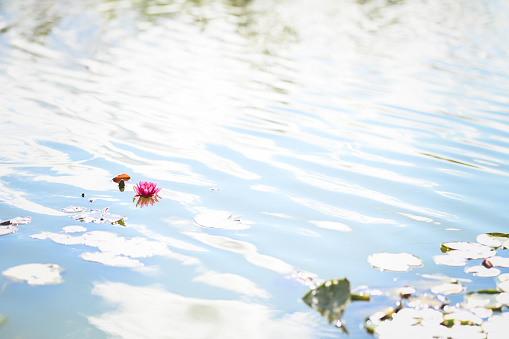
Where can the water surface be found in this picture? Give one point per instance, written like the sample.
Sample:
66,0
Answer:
338,128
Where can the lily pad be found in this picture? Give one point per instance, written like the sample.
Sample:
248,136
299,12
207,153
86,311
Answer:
450,260
494,239
74,229
119,177
330,298
481,271
448,288
73,209
99,217
220,219
397,262
491,299
427,300
496,326
468,250
7,230
35,274
110,259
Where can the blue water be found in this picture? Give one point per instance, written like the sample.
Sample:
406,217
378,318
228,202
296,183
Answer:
387,117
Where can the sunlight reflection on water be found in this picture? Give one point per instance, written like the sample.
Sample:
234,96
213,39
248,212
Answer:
341,128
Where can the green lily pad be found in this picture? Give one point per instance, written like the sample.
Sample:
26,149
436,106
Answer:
330,298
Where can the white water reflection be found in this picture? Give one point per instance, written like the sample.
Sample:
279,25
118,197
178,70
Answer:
153,312
248,250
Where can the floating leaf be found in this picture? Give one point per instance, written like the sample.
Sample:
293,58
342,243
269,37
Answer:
499,261
496,326
220,219
7,230
35,274
427,300
468,250
330,298
448,288
485,298
73,209
398,262
99,216
481,271
119,177
494,239
413,323
450,260
16,221
74,229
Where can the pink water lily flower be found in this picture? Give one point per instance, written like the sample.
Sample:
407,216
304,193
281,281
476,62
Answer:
146,192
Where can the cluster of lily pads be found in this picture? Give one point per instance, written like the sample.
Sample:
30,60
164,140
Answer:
408,312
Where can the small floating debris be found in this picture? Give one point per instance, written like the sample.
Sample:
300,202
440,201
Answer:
73,209
35,274
397,262
121,177
221,220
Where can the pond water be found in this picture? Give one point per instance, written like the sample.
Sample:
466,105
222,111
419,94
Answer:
326,131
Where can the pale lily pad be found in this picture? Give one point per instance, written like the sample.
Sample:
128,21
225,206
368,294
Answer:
412,323
330,298
499,261
9,226
448,289
468,250
35,274
461,316
485,298
494,239
496,326
16,221
450,260
481,271
427,300
220,219
73,209
398,262
110,259
7,230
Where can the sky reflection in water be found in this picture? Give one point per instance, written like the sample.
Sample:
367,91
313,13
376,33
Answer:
340,128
